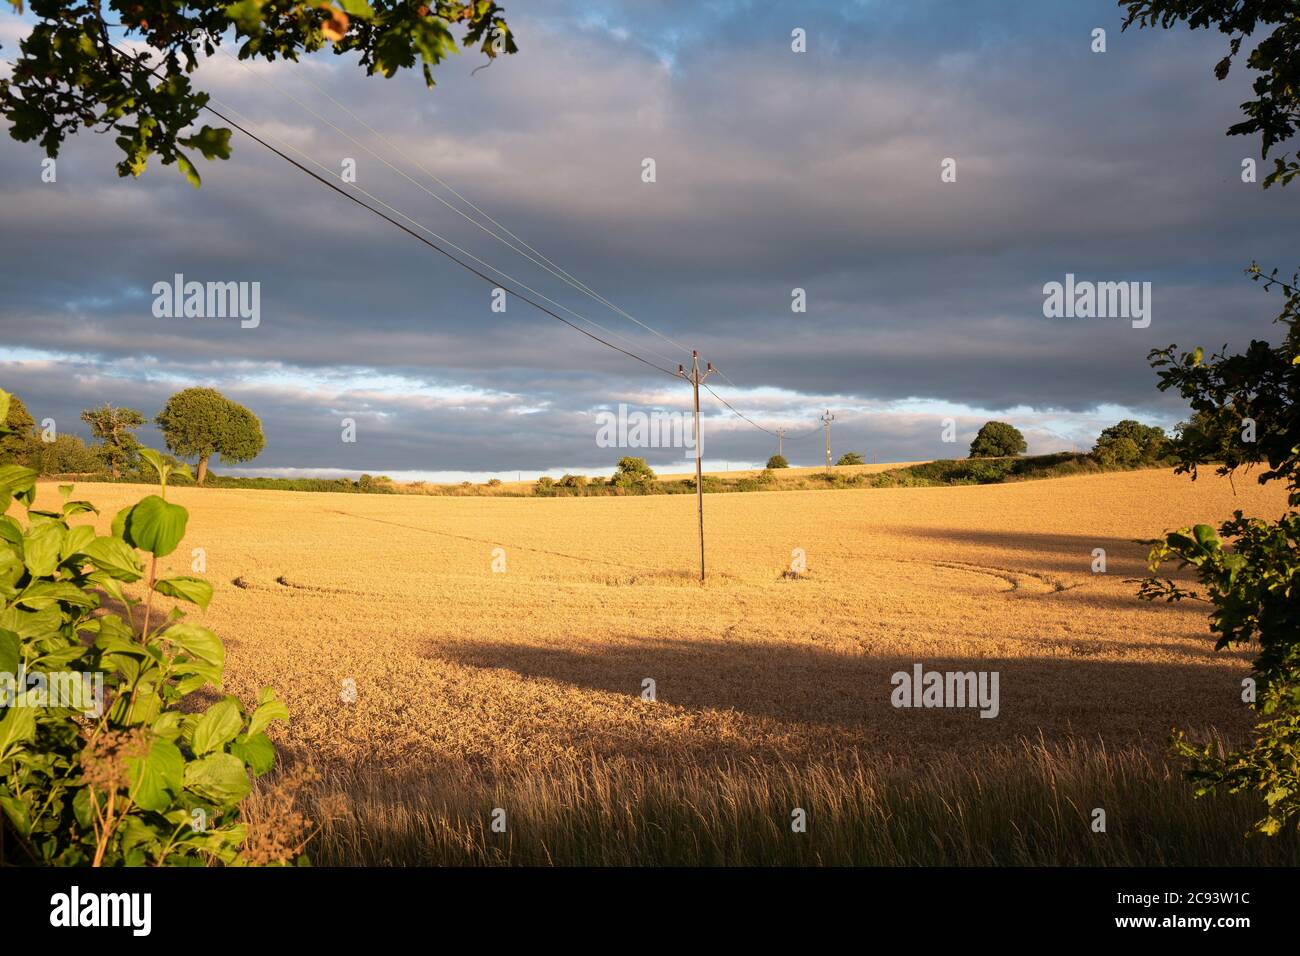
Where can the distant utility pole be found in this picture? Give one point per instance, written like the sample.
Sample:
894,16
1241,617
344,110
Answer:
780,442
826,421
695,379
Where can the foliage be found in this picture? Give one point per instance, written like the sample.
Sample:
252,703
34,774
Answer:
201,422
633,473
850,458
18,441
997,440
145,777
777,461
1130,443
1250,568
67,455
1245,415
119,448
72,75
1275,112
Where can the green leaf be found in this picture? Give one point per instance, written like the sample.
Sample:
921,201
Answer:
17,726
156,780
187,170
114,557
246,14
11,652
43,594
15,479
257,751
270,709
219,777
156,526
1206,537
41,546
76,541
357,8
17,812
196,641
212,143
195,590
218,726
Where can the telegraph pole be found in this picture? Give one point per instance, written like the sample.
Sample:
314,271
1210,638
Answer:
780,442
826,421
695,379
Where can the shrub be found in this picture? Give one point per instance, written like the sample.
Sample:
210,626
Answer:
777,461
68,455
492,483
633,473
850,458
997,440
1130,443
146,778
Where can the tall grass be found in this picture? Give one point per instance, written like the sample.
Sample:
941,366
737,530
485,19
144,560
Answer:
1026,805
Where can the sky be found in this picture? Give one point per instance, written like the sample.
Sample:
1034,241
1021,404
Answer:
774,171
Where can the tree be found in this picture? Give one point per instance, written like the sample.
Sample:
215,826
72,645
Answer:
20,443
113,426
73,75
850,458
1246,413
1275,113
633,473
777,461
67,455
201,422
997,440
1130,443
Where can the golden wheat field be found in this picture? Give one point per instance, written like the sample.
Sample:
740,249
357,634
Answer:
452,660
462,671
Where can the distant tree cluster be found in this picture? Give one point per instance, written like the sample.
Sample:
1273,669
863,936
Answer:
195,423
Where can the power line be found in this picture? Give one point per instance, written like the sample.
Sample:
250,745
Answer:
528,252
739,414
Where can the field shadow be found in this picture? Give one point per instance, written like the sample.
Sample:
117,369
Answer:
848,697
1060,552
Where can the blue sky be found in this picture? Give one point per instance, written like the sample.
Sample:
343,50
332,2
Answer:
775,170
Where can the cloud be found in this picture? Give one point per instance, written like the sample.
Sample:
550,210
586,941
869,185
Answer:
775,171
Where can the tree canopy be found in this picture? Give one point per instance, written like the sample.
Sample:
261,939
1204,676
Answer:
113,426
73,74
1129,442
997,440
201,422
20,442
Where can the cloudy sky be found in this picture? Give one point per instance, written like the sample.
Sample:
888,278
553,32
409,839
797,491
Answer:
775,170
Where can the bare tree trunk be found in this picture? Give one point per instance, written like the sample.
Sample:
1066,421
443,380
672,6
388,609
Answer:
203,469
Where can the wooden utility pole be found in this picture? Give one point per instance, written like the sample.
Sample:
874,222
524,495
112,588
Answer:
826,421
695,379
780,442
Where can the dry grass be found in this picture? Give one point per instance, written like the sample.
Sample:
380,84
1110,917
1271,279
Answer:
522,689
